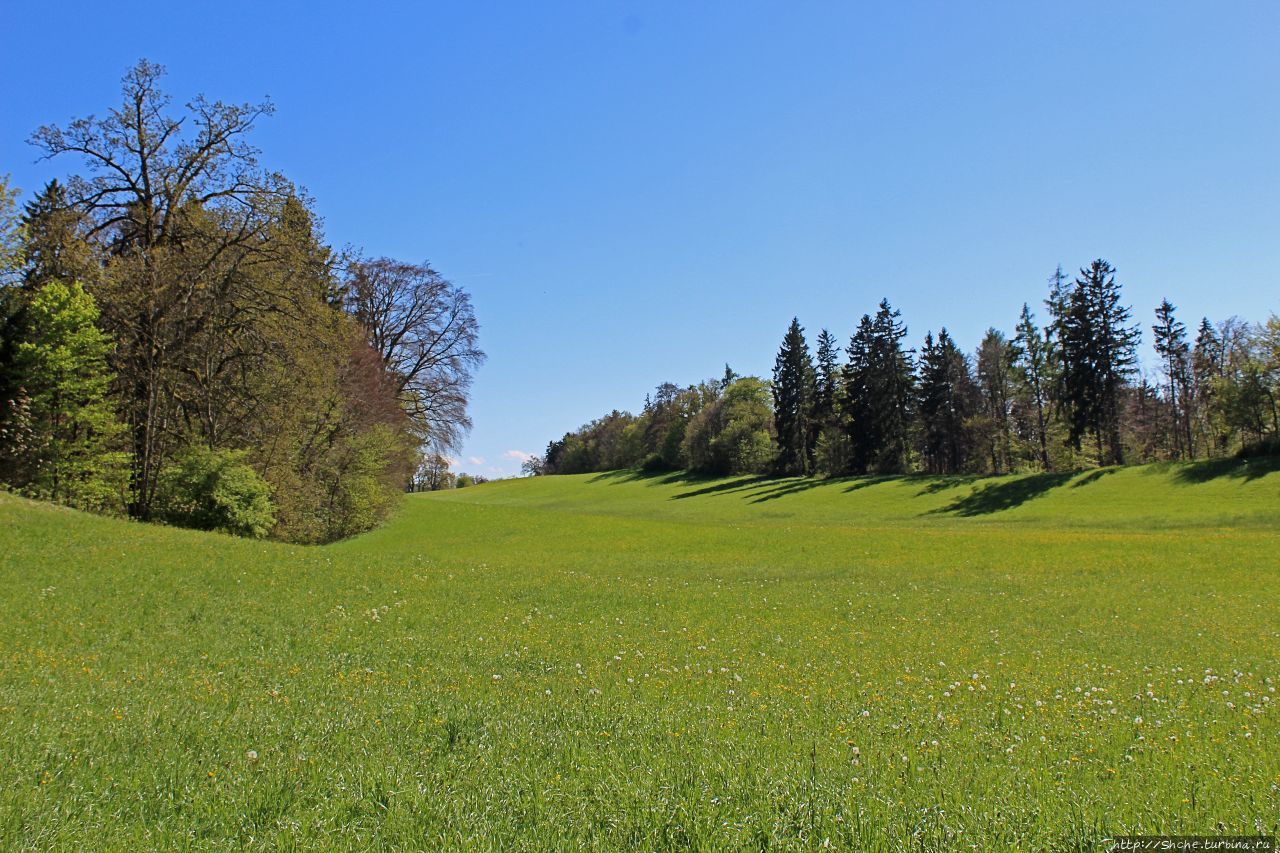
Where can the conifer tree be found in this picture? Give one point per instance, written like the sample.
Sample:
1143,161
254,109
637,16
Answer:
1171,346
827,370
1098,350
794,391
856,410
1206,366
994,377
1031,361
878,391
947,401
54,240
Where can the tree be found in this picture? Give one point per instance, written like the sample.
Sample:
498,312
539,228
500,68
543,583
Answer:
1171,345
169,198
734,434
55,245
11,242
433,473
995,386
827,378
1206,367
878,393
1098,352
13,418
216,490
1031,362
794,391
948,400
425,330
60,365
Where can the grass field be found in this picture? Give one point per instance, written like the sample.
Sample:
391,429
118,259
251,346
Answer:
622,661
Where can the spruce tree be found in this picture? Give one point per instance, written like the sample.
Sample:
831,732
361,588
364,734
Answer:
55,244
878,392
794,392
995,383
1031,361
894,391
1171,346
827,370
1207,357
1098,350
947,400
856,389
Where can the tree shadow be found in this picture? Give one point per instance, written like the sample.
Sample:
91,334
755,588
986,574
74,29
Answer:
725,486
934,483
621,475
867,482
788,487
998,497
1237,468
1093,476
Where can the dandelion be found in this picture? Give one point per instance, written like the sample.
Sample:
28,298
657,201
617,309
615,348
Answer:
252,755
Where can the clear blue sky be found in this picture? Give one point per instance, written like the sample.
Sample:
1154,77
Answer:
639,192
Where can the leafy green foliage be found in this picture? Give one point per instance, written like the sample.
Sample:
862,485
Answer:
216,490
60,429
733,435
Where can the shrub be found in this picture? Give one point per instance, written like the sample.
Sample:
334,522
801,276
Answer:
216,490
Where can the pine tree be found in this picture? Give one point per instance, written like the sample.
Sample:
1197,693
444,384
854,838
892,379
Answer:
55,244
1031,360
947,400
878,392
730,376
1206,367
1098,352
895,389
827,370
1171,346
994,375
856,410
794,392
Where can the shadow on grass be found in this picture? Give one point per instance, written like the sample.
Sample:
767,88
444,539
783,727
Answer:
998,497
1246,469
788,487
1093,476
725,486
934,483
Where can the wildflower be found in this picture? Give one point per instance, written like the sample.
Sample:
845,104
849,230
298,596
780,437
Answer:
252,755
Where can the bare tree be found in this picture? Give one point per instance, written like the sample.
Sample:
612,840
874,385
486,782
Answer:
425,331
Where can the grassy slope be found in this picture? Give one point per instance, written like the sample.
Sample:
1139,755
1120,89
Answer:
658,661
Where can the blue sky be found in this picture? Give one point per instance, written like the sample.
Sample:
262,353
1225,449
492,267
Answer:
640,192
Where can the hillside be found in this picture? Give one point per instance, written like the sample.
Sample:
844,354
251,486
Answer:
658,661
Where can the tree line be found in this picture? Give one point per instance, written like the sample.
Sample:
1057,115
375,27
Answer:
1062,395
178,341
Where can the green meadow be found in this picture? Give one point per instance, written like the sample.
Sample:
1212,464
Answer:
627,661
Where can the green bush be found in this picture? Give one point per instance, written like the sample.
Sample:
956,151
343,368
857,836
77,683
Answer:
216,490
